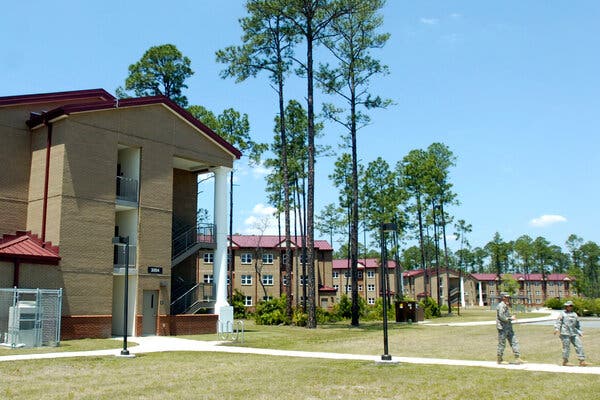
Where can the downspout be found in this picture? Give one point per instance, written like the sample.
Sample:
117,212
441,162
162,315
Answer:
46,181
16,267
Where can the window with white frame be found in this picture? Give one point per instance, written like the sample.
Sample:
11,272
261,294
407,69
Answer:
284,280
246,280
360,288
246,258
267,280
336,287
267,298
371,287
303,279
348,288
209,257
208,278
371,274
336,274
371,300
537,292
267,258
248,301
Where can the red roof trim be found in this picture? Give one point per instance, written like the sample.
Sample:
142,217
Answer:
97,94
37,120
27,247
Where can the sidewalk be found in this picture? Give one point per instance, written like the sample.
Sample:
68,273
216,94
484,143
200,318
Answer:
151,344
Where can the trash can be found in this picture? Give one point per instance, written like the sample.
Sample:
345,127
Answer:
408,311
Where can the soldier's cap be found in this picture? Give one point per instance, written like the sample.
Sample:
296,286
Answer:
504,294
568,303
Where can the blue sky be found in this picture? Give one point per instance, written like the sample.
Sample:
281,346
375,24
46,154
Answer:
511,87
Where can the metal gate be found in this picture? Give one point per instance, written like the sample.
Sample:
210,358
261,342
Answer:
30,317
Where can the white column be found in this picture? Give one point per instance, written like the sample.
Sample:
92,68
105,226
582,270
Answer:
480,294
222,307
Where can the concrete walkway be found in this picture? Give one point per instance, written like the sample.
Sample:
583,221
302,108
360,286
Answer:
153,344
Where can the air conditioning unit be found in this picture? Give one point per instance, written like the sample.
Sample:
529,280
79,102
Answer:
22,330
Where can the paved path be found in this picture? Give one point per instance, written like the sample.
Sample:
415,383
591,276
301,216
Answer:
153,344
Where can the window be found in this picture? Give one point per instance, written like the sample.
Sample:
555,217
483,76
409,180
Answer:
336,274
303,280
360,288
336,287
347,273
370,274
537,292
246,258
246,280
348,288
267,280
360,274
371,287
208,278
267,298
248,301
371,300
284,280
267,258
209,258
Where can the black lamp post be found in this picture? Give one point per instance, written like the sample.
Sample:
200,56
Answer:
385,227
125,240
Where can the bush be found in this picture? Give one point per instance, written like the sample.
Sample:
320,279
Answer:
299,318
554,303
271,312
430,308
239,307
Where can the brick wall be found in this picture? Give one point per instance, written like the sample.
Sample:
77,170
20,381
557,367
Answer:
190,324
85,326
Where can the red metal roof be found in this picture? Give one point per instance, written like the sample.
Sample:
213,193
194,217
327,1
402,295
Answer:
27,247
363,263
99,99
272,242
524,277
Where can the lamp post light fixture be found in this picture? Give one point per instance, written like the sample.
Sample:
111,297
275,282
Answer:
385,227
125,240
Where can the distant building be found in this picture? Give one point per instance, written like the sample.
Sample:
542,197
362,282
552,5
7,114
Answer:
534,289
258,269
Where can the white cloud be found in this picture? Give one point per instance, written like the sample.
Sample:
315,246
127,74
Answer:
547,220
429,21
262,209
455,15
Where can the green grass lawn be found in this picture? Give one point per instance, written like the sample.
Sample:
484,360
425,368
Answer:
190,375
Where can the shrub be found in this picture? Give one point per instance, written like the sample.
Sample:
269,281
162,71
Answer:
430,308
271,312
299,318
239,308
554,303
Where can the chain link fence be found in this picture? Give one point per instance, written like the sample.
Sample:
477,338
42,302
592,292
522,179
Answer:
30,317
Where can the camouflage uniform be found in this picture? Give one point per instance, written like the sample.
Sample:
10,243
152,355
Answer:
505,331
567,324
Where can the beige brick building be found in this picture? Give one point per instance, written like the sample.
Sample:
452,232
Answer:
258,269
82,171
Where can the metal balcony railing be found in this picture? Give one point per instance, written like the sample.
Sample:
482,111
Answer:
120,255
203,233
199,295
127,189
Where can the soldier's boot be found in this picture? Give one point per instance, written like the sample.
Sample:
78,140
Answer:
582,363
500,361
519,361
566,363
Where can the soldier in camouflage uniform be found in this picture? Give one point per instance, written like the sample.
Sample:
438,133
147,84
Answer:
567,324
504,320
